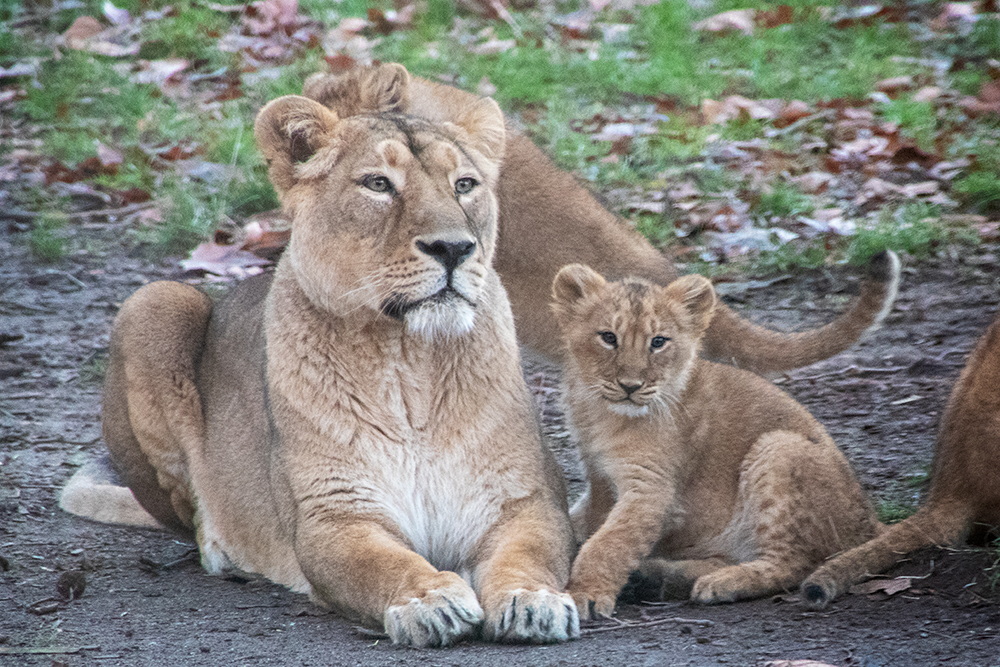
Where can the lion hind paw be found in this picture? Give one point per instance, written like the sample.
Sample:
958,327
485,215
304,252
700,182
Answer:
533,617
442,617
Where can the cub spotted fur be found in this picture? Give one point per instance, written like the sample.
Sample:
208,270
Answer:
708,479
547,220
965,485
356,426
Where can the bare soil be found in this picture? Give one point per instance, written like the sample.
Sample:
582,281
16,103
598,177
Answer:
147,601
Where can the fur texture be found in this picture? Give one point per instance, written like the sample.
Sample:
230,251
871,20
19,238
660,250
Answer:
965,484
707,479
548,220
356,426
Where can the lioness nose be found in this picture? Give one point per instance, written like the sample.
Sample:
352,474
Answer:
449,253
629,388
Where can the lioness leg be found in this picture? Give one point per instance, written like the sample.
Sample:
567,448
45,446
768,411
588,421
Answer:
366,572
784,507
152,410
521,579
662,579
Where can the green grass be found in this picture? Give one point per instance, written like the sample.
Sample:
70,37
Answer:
914,228
893,511
783,200
915,119
48,238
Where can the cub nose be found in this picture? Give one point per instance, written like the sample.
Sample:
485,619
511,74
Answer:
629,388
449,253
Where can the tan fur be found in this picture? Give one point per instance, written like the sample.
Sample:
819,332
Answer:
356,426
965,484
548,220
706,478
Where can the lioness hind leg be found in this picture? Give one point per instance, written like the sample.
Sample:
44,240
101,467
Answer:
797,504
152,411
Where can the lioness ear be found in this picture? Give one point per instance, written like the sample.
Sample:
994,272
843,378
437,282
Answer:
483,122
376,89
290,130
573,283
697,295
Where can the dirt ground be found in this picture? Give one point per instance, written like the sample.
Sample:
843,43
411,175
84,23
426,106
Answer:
147,601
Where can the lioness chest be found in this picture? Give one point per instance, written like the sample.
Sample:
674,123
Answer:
402,433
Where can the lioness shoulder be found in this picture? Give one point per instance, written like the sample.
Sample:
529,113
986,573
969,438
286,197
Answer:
707,479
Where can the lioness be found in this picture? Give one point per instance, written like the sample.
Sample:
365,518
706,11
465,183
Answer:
965,485
357,427
548,220
731,486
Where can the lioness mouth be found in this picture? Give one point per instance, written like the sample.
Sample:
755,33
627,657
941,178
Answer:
397,306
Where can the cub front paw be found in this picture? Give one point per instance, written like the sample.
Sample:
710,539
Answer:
441,617
532,617
593,604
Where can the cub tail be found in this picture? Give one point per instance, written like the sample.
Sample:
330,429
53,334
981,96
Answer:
731,339
96,492
940,522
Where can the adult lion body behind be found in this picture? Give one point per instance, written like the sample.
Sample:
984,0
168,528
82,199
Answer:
548,220
357,427
965,483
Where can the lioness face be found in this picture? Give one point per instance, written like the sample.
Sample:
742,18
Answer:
391,214
631,343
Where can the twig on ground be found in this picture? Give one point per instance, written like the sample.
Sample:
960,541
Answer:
704,623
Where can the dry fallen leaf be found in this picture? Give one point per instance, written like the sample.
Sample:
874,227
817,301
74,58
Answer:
736,20
887,586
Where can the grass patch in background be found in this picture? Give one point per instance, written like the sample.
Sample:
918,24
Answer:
48,237
913,228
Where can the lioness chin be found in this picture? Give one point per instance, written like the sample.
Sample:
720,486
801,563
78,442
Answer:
356,426
707,479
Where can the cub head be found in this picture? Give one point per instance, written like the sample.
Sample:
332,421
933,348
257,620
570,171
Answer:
631,344
389,212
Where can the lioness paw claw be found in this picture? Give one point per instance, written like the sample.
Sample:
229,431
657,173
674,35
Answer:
442,617
715,589
533,617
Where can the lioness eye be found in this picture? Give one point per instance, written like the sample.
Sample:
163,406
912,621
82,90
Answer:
608,338
464,186
658,342
377,183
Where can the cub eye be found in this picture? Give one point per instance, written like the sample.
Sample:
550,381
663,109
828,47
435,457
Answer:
377,183
464,186
608,338
658,342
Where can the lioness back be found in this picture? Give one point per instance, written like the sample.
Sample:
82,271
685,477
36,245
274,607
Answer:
707,479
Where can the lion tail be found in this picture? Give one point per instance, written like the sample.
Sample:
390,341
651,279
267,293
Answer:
941,521
96,492
731,339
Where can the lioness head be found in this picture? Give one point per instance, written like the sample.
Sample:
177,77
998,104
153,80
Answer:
631,343
389,212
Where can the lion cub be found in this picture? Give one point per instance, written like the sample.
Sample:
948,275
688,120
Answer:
708,479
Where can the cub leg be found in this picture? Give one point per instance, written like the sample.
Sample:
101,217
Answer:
524,571
592,508
662,579
152,411
639,517
798,502
364,570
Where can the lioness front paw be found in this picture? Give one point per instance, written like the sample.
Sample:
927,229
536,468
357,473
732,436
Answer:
441,617
532,617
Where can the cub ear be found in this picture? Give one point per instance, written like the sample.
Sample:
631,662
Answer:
483,123
376,89
573,283
289,130
697,296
